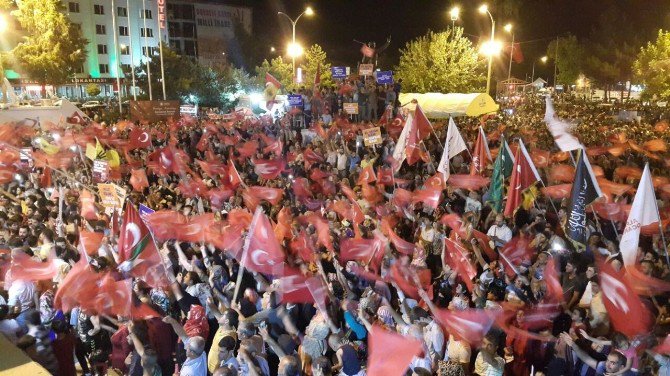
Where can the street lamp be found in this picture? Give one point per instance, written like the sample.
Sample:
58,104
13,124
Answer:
3,24
508,28
309,12
294,50
272,49
543,59
454,13
484,9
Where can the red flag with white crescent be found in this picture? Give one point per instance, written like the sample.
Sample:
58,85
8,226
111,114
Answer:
262,252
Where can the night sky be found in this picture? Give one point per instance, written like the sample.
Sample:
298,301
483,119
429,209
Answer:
338,22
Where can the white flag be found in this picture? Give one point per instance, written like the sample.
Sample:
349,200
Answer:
642,213
559,129
453,145
399,153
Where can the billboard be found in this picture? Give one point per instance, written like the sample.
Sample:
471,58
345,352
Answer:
153,111
215,27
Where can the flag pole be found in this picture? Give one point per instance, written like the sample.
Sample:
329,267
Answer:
660,228
245,249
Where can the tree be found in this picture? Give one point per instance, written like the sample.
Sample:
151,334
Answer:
612,48
443,62
570,58
279,69
93,90
652,67
52,45
315,57
179,75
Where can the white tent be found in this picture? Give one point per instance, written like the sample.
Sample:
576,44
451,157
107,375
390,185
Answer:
56,114
438,105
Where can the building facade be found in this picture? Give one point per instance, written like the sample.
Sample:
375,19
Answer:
199,29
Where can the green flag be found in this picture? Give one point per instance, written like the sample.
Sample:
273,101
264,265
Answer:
502,169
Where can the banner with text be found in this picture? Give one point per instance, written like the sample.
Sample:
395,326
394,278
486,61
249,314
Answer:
366,69
385,77
154,111
372,136
350,108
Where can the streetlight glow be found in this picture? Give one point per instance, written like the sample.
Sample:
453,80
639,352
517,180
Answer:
309,11
454,13
294,49
3,24
483,8
544,59
490,48
272,49
508,28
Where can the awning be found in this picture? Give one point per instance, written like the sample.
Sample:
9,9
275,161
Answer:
438,105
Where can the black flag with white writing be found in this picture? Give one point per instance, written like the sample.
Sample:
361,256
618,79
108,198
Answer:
585,190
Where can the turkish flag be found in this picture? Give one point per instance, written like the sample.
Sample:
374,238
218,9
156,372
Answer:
75,119
429,197
212,168
405,278
149,267
454,256
217,197
624,172
312,157
132,231
262,252
367,175
613,188
390,353
622,302
557,192
139,139
523,176
562,173
322,228
80,281
554,288
301,188
270,79
194,230
226,237
293,289
248,148
470,325
612,211
302,246
481,156
91,241
540,157
663,347
515,252
470,182
138,179
203,143
365,250
644,284
358,212
26,268
87,202
275,147
400,244
421,123
162,223
367,51
114,298
253,195
269,168
385,176
233,179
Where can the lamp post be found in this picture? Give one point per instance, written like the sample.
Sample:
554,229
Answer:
293,47
543,59
454,13
484,9
508,28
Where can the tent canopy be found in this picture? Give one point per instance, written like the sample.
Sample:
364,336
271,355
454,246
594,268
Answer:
438,105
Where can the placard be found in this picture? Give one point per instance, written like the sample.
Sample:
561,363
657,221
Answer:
26,157
295,100
111,196
189,109
338,73
350,108
145,211
366,69
154,111
100,172
372,136
385,77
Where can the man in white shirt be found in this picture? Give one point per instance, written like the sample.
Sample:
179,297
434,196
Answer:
499,233
22,296
196,357
488,363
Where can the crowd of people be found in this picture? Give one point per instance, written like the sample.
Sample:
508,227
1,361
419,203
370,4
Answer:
383,264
